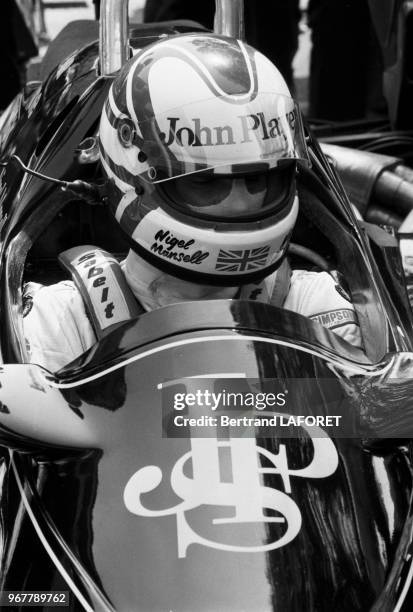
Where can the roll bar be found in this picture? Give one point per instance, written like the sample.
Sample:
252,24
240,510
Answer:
113,35
114,29
229,18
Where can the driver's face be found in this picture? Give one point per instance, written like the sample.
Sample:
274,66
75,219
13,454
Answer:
223,196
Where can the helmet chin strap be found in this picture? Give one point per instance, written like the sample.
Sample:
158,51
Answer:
154,288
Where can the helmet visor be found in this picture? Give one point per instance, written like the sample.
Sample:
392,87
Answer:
219,133
235,196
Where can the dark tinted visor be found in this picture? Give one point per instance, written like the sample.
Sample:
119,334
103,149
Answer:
212,194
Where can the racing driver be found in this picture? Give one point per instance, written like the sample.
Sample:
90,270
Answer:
199,140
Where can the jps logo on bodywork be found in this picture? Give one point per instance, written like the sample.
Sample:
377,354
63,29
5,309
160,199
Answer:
196,478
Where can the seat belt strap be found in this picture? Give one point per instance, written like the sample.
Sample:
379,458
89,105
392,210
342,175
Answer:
272,290
98,276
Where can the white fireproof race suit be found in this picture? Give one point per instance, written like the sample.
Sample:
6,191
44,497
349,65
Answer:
57,328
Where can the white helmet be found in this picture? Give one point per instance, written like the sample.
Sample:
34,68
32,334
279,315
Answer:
184,118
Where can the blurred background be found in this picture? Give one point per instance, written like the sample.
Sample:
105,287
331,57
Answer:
46,18
327,50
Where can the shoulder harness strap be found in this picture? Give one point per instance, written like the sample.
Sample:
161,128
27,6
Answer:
272,290
107,297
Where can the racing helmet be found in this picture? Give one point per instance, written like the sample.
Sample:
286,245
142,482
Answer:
199,138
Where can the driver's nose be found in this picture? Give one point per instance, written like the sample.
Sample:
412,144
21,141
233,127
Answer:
241,199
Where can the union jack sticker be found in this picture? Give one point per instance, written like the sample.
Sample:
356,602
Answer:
240,261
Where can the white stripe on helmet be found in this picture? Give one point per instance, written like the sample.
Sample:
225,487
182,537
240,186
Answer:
125,201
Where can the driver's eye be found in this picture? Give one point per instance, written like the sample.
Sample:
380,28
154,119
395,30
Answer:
255,183
204,180
212,183
201,190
